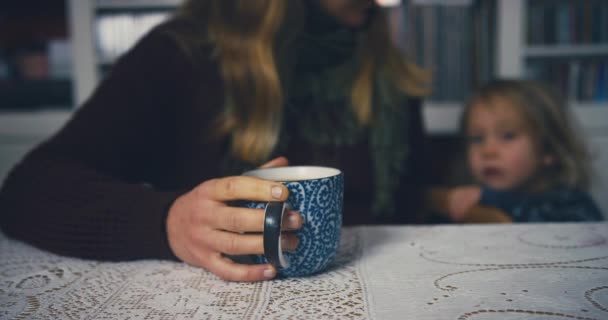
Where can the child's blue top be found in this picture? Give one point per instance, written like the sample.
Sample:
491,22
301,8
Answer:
555,205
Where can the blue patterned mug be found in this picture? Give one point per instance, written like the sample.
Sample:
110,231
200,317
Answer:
316,193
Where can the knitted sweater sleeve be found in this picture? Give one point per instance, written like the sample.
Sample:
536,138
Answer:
88,191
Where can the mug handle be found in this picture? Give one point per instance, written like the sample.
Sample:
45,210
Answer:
273,217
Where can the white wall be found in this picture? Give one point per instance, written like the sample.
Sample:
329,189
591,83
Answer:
21,131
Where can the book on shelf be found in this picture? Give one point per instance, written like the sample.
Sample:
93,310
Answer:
583,80
572,22
438,36
483,42
568,47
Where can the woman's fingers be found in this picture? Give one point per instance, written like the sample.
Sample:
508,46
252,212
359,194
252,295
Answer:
202,228
242,188
234,243
237,219
239,244
226,269
276,162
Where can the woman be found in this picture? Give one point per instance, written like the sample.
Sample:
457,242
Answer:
147,168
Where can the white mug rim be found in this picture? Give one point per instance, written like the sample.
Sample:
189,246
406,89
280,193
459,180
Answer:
307,172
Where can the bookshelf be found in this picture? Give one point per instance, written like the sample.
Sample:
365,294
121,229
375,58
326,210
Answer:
570,59
104,29
565,50
455,40
35,69
561,42
489,37
74,22
438,36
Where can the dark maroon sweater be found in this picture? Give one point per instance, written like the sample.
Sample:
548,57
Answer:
102,186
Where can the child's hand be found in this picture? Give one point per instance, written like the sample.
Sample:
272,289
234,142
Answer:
461,199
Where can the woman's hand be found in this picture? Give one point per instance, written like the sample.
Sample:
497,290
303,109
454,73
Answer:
202,228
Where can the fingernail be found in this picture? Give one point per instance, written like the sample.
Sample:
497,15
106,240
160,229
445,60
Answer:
269,273
293,220
277,192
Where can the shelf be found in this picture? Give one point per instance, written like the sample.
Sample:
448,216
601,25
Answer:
444,118
35,94
564,50
136,4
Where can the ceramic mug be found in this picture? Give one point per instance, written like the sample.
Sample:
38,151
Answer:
316,193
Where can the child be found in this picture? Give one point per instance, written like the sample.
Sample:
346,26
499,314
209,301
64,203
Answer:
525,156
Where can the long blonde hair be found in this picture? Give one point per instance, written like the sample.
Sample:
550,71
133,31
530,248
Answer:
546,117
243,35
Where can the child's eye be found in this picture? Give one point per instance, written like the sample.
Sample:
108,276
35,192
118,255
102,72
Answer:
474,139
509,135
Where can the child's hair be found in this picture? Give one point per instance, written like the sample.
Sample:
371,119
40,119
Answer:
545,115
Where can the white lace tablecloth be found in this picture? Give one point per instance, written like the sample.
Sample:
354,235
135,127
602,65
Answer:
480,272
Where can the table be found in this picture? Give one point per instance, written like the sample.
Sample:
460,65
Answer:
531,271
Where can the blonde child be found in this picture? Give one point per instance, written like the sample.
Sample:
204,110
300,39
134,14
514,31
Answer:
524,155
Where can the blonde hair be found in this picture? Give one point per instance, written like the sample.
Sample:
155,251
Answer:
242,33
545,115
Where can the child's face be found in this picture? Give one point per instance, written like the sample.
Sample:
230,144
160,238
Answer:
501,152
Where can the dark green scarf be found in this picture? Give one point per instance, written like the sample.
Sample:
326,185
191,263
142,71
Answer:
324,70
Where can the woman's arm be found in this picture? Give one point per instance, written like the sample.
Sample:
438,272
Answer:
86,192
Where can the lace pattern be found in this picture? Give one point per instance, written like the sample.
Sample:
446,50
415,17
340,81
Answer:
39,285
521,271
529,271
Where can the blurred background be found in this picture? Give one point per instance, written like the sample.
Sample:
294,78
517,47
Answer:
54,52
